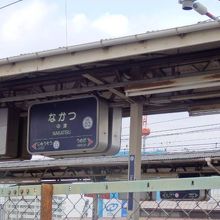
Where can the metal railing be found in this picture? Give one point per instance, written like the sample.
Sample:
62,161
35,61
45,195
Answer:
188,198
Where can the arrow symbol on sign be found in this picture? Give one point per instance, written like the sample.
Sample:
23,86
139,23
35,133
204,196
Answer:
34,146
90,141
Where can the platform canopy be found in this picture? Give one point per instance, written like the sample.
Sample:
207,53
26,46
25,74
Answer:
168,70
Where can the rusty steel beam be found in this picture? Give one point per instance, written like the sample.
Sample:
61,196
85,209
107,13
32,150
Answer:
148,86
172,85
194,96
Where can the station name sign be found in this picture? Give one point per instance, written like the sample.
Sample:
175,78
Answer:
74,126
184,195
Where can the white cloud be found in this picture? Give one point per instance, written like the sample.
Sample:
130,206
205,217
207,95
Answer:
24,21
37,25
112,24
83,29
80,22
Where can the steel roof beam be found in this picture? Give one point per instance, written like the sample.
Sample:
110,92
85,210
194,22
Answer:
176,84
114,91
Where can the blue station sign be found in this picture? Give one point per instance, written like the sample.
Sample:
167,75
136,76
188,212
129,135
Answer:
67,127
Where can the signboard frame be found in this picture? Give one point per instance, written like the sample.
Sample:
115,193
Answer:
10,126
102,125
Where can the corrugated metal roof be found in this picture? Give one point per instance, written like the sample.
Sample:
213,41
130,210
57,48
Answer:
107,161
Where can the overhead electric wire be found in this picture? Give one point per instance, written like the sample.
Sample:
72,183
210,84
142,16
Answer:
159,122
182,148
188,145
181,133
183,128
10,4
185,140
171,120
66,16
177,119
186,132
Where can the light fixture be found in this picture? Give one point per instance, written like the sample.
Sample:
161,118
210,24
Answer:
198,7
187,4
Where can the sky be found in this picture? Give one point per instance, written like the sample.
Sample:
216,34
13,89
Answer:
176,132
36,25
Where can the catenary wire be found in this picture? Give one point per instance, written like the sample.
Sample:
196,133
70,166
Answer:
182,133
10,4
66,17
183,128
185,140
216,144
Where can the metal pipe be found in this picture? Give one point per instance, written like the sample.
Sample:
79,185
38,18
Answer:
209,163
113,42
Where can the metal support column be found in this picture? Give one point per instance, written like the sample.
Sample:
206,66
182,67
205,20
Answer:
134,172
